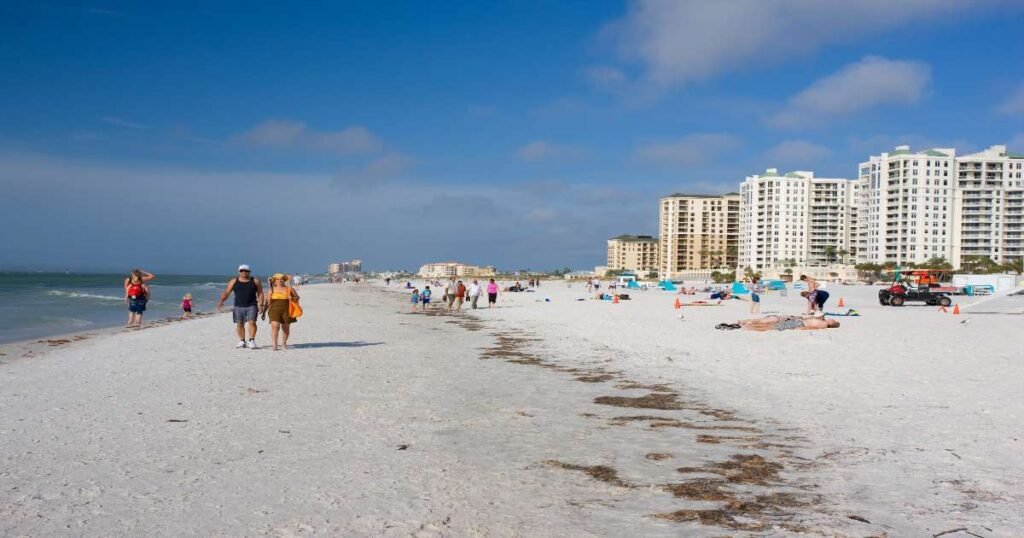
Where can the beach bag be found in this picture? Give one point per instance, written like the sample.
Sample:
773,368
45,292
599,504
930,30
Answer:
294,310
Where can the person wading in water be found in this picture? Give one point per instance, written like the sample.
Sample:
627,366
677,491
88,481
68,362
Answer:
248,296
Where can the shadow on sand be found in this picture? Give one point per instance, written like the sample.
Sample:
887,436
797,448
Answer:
313,345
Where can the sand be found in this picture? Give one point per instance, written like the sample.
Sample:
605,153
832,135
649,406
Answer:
560,418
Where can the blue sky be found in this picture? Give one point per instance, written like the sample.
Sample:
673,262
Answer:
191,138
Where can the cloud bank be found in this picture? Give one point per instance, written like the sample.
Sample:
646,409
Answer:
296,135
862,85
679,42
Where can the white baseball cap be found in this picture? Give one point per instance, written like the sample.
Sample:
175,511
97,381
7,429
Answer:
244,267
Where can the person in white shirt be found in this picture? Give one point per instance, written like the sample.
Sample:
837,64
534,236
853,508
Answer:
474,293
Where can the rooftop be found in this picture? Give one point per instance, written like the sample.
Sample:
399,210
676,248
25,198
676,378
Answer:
634,238
685,195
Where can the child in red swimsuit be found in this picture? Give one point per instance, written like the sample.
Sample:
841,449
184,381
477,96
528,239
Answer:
186,306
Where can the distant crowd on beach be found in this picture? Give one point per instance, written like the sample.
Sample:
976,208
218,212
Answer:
454,293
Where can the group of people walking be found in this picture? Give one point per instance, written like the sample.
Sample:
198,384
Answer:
281,305
456,293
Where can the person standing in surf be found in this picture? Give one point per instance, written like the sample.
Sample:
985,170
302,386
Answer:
136,294
248,296
144,277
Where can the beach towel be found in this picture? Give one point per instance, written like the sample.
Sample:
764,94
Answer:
850,312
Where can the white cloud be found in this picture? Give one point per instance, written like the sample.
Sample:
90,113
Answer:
797,152
682,41
124,123
859,86
374,173
540,150
291,134
606,77
541,215
693,149
1014,103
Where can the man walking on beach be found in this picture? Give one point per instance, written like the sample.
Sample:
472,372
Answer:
474,293
248,296
460,294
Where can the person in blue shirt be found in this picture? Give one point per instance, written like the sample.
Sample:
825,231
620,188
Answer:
415,298
425,297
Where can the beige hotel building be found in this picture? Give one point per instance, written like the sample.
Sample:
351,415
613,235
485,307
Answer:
699,233
637,253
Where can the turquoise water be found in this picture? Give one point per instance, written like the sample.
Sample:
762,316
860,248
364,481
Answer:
37,305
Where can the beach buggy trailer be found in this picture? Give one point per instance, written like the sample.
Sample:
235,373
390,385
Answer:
921,286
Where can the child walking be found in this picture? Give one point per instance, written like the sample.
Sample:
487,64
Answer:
425,297
415,299
186,306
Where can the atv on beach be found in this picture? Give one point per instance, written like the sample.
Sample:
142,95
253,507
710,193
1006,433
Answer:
921,286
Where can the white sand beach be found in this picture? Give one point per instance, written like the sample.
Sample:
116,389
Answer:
537,418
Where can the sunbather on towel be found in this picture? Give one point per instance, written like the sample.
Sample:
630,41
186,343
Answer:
781,323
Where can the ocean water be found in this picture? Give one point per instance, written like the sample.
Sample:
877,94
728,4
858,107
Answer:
37,305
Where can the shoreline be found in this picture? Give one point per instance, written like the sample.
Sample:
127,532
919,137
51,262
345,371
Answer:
17,350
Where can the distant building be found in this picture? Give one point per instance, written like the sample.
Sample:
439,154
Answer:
354,266
456,269
637,253
699,232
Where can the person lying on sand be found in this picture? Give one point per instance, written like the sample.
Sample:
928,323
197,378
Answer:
780,323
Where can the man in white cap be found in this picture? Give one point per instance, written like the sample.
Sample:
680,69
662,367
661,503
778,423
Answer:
248,296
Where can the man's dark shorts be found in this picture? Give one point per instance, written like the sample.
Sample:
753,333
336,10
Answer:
245,314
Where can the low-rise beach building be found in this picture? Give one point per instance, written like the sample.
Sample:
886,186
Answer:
456,269
637,253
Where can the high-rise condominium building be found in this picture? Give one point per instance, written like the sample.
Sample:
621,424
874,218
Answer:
906,206
916,206
989,208
794,216
698,233
638,253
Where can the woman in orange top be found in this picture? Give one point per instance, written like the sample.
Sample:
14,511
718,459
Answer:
277,307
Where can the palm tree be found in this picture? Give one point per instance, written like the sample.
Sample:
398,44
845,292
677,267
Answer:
843,253
830,253
1015,265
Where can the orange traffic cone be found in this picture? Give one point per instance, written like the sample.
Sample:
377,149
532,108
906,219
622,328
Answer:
678,304
616,299
956,310
842,303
